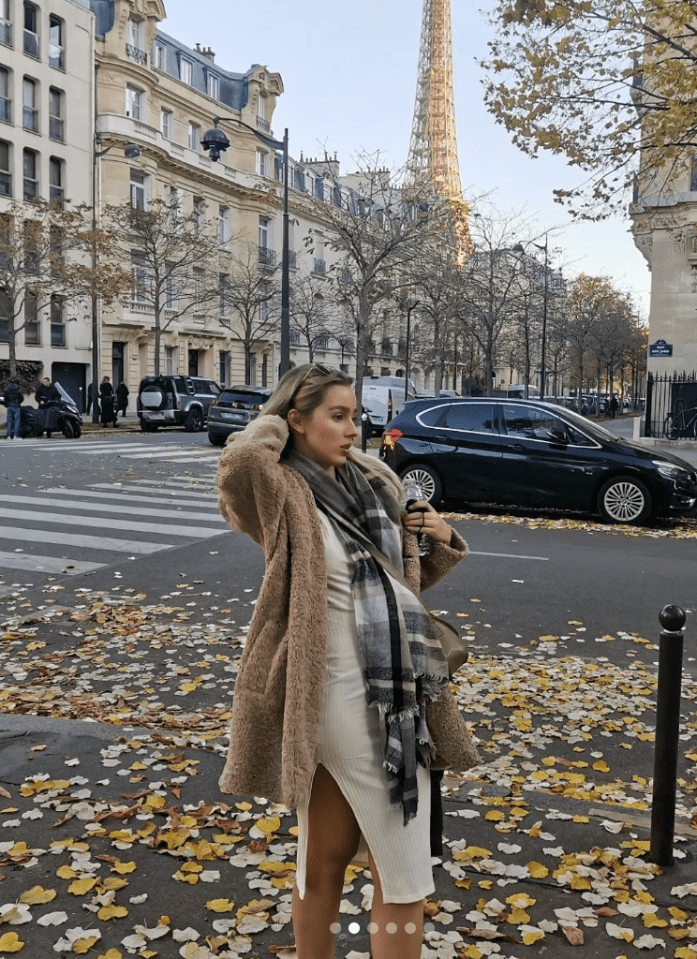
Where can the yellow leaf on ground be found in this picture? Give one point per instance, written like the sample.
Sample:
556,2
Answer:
65,872
495,815
531,935
685,952
111,954
10,942
112,912
268,825
37,896
123,868
220,905
537,870
82,946
601,766
82,886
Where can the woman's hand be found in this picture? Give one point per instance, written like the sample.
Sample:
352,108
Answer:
423,518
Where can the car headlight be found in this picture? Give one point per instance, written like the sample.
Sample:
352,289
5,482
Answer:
671,471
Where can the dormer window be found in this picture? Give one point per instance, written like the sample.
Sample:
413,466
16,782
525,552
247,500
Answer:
135,46
213,86
186,71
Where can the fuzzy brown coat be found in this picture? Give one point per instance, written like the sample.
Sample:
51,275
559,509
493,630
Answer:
278,691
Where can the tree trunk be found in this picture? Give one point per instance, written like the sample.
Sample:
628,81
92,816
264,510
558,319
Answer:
158,339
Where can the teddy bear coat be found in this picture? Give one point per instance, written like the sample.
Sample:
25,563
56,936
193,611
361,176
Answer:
278,690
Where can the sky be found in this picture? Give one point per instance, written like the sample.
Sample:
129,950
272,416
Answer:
350,78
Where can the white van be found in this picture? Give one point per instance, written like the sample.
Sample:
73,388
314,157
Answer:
382,403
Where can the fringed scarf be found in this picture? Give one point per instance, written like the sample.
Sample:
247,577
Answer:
402,657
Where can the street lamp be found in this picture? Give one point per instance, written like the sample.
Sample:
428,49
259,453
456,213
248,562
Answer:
411,305
215,142
130,151
518,248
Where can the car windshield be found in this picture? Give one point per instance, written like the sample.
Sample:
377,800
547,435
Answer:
588,426
242,398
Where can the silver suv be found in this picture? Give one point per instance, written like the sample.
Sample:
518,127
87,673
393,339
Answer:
175,401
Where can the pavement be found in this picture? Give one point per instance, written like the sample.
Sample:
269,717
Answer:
115,840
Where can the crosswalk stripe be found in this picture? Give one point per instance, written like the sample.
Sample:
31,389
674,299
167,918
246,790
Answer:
107,544
105,522
208,513
205,498
157,490
46,564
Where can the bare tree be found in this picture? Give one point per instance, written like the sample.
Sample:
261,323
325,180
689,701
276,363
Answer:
315,316
174,261
377,230
45,257
249,302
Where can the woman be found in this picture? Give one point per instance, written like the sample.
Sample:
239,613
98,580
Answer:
106,401
342,686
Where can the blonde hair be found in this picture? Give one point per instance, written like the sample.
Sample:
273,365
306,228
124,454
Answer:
303,389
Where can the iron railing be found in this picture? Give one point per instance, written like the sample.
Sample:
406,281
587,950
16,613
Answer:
671,406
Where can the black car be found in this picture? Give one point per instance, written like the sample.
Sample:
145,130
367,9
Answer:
530,453
233,409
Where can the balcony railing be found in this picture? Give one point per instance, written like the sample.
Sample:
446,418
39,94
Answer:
292,259
134,53
31,43
263,124
267,256
320,267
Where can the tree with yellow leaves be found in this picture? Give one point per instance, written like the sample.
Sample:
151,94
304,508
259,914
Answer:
610,84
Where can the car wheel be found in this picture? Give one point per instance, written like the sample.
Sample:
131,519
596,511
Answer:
194,420
427,480
625,499
215,439
68,430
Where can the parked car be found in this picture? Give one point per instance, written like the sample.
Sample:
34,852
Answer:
175,401
232,409
533,454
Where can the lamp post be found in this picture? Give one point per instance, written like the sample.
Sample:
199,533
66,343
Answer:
215,142
519,248
131,151
411,305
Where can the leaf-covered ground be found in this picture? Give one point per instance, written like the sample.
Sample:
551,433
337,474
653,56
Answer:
115,840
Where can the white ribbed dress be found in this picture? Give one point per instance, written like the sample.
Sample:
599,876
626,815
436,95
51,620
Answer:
350,746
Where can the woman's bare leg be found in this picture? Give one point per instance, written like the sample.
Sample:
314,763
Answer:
396,929
332,842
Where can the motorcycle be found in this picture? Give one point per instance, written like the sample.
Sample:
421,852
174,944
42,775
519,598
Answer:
59,414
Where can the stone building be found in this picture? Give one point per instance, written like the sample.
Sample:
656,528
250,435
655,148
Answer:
46,56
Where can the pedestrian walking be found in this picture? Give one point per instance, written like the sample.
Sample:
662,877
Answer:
45,395
107,402
122,393
13,399
342,703
88,407
614,405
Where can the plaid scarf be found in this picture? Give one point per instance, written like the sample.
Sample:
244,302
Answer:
402,657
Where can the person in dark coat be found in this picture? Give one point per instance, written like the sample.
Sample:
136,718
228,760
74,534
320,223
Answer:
89,401
46,393
122,398
13,399
106,400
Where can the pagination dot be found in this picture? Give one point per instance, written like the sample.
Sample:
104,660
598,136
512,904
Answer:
354,928
335,928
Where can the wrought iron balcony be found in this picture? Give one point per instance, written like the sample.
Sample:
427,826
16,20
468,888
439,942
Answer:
134,53
266,256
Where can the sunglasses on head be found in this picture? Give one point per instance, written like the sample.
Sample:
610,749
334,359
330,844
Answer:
317,368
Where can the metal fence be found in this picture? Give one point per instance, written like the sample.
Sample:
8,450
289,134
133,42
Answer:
671,406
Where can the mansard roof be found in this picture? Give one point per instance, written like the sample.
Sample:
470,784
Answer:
233,87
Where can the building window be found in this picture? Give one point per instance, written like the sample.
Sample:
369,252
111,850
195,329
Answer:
56,51
213,86
159,57
186,71
224,286
31,180
262,166
5,23
30,113
167,124
56,181
56,124
32,327
5,100
171,361
57,321
140,277
135,45
139,190
199,216
199,288
224,367
31,30
263,235
135,103
5,174
171,301
194,136
262,121
224,224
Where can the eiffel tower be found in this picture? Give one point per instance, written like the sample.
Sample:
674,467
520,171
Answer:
433,145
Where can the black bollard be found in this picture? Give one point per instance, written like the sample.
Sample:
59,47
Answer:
665,770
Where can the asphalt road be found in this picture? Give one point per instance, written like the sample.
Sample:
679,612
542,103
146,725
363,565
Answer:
133,510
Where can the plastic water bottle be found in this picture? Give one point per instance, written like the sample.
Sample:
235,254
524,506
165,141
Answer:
414,494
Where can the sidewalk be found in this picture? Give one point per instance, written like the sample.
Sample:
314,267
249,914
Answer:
115,840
